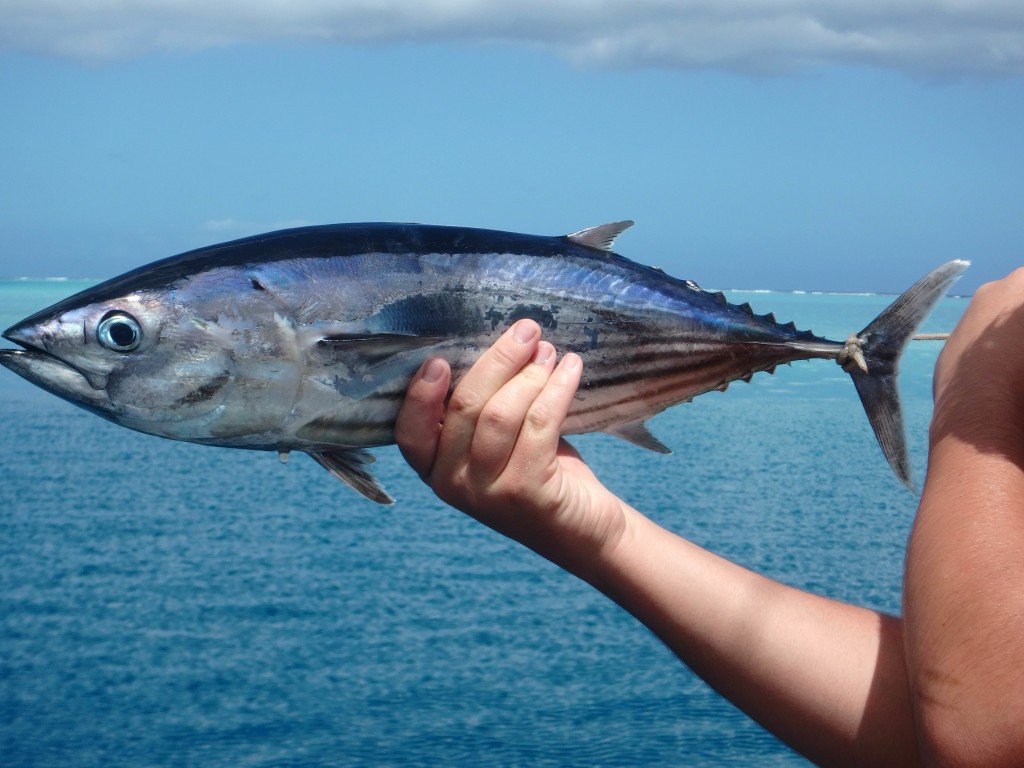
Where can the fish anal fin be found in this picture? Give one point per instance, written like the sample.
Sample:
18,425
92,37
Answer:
637,433
349,466
601,238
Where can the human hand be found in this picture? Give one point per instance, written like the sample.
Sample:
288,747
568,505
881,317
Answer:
496,453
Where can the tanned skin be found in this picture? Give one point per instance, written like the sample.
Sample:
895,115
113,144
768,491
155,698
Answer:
840,684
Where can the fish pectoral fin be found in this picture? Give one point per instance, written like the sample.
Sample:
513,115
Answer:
375,347
601,238
349,466
366,364
637,433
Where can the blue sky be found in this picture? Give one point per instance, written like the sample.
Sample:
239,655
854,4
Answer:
850,148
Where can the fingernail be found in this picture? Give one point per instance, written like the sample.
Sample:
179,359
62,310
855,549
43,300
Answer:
571,362
524,331
542,353
433,370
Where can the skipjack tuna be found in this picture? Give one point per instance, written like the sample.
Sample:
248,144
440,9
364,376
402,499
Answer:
306,339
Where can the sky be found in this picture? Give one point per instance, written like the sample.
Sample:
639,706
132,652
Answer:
833,145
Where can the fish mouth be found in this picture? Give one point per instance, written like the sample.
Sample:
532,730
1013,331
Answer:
51,373
19,359
22,335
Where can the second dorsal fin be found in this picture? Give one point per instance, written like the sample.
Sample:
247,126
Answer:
603,237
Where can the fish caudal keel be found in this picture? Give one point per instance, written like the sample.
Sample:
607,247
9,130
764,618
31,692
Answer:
852,356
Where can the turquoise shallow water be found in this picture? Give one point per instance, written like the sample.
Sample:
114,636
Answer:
164,604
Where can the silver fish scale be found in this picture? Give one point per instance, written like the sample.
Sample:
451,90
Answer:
306,339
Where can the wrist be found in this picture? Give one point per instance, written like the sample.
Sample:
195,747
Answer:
592,552
627,551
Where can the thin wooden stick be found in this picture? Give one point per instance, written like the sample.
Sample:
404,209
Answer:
931,337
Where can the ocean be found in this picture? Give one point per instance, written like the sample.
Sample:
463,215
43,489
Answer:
165,604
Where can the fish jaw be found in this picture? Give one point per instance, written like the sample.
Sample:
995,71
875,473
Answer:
55,376
183,380
46,336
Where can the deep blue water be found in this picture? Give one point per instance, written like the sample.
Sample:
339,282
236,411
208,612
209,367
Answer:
164,604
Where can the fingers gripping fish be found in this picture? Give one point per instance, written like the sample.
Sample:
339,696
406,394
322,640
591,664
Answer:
306,339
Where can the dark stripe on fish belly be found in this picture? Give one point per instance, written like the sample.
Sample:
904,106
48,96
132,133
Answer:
655,376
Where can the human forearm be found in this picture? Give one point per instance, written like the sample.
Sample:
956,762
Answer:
963,603
964,607
825,677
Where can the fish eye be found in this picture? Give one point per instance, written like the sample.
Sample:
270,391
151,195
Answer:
119,332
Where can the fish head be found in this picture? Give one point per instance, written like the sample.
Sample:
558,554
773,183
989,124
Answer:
179,361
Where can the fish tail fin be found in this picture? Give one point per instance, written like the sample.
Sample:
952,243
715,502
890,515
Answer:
872,358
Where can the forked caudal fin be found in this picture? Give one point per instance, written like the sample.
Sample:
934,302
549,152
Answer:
872,358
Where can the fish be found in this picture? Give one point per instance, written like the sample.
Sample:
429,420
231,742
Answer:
305,339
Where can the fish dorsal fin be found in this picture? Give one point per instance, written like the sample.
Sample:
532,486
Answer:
637,433
349,466
603,237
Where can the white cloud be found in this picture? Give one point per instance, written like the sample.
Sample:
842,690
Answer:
929,37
